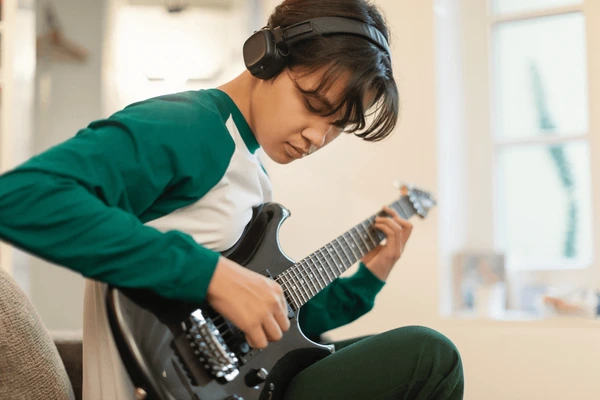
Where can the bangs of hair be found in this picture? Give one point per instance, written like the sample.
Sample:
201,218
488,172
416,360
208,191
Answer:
372,124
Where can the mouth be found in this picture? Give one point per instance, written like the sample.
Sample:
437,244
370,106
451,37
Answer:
296,153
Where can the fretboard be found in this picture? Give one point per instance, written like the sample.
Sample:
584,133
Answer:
306,278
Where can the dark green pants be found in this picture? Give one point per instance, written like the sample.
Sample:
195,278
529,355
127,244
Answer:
406,363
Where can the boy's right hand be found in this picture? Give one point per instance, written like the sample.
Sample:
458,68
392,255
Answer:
254,303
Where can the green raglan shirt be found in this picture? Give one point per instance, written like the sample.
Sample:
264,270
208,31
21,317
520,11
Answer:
149,197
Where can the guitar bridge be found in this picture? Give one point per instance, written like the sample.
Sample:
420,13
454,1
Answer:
209,347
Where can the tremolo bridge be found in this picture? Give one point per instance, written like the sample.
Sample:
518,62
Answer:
210,348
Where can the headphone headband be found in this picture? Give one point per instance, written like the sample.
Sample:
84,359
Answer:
263,54
324,26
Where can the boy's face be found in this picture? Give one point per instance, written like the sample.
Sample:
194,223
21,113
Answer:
284,127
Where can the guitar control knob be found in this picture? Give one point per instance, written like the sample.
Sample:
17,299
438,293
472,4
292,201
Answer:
256,377
140,394
234,397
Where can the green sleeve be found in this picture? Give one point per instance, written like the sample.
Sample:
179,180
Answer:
343,301
82,203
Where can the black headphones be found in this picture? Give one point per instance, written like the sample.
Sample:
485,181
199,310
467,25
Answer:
265,51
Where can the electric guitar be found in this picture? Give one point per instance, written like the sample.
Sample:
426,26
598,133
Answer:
175,351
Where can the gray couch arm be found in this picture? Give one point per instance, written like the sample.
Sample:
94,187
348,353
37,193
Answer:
30,366
69,345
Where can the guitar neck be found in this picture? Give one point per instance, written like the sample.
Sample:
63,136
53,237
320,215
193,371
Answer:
306,278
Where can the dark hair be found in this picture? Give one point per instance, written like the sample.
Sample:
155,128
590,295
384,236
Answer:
369,66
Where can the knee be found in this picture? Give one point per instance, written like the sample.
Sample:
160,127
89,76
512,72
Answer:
432,340
435,351
435,360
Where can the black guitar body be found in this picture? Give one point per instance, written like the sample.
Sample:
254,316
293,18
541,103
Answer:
174,350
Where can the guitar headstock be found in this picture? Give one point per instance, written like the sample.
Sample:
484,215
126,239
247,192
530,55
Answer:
421,200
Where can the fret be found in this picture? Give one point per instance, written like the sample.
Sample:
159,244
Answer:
297,287
283,285
309,276
294,293
303,280
337,254
364,248
305,283
289,290
314,271
361,236
374,243
300,288
294,297
352,246
319,266
348,251
327,265
324,265
335,269
344,252
333,253
319,269
380,234
330,262
291,302
289,297
361,251
345,259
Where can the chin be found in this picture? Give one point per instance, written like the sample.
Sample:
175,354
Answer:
282,159
279,157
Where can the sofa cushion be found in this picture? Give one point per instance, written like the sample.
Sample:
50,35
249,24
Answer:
31,367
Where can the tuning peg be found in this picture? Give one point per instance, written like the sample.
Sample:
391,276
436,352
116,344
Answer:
404,188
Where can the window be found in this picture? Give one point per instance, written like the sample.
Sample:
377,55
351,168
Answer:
519,142
540,130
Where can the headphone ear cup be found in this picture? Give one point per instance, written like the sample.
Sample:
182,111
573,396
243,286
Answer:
261,55
274,67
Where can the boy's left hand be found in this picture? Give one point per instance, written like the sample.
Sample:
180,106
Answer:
382,258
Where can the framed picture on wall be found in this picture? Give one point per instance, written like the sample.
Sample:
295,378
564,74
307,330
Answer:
479,283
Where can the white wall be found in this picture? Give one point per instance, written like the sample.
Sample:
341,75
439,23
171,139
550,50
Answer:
68,98
17,75
202,44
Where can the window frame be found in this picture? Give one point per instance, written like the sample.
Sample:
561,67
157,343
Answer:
560,274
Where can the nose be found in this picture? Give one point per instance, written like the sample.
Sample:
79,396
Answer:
318,136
